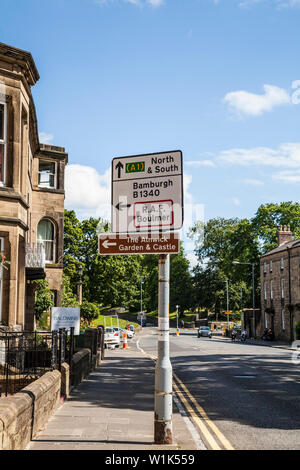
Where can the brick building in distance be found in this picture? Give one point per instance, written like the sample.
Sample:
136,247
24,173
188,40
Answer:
280,287
31,195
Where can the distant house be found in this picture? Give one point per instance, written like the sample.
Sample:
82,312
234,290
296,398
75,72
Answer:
280,286
31,195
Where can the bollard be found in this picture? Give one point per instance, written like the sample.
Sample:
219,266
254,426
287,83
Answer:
125,345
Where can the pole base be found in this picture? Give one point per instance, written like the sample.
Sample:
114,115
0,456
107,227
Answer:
163,432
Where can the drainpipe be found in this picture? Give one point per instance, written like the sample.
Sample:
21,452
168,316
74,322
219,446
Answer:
290,293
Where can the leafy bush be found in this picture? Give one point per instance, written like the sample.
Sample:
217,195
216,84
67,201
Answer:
43,298
89,311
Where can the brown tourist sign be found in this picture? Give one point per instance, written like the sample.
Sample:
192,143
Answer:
139,243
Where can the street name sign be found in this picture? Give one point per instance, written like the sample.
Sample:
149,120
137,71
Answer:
147,193
139,244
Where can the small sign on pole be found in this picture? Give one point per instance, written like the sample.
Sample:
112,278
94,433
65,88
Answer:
62,317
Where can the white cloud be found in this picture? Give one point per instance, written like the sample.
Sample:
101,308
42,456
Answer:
198,163
253,182
45,138
276,3
244,103
286,155
153,3
193,259
87,191
287,176
236,201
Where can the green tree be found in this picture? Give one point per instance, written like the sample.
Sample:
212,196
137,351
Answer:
107,280
269,217
181,287
225,241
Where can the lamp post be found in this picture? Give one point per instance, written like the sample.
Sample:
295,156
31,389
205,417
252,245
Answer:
79,285
141,288
253,294
227,303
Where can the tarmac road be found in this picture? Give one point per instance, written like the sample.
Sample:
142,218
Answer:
248,396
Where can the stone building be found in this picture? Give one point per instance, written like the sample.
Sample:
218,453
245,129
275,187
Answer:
280,287
31,195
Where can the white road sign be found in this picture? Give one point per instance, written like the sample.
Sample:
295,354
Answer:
147,192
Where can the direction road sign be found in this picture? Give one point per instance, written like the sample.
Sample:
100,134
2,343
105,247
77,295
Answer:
139,244
147,193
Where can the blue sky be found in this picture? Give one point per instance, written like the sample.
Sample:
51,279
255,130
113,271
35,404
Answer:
218,79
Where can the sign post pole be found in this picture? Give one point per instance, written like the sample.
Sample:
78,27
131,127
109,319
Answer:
163,369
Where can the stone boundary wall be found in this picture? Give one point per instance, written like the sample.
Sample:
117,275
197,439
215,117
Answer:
26,413
81,366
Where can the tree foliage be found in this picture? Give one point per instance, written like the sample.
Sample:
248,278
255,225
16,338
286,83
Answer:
226,240
115,280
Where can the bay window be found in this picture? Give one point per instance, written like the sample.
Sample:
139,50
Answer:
1,277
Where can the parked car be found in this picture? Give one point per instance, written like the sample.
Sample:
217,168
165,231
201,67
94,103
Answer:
121,331
111,338
204,331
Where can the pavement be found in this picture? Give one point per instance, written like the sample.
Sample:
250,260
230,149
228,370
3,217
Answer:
113,410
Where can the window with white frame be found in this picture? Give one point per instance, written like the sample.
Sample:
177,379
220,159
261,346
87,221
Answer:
1,278
271,290
282,288
281,264
2,142
265,267
47,174
46,237
265,290
271,266
283,320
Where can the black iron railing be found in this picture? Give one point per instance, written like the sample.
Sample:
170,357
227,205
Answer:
27,355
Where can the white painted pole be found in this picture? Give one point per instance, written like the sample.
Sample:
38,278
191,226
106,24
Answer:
163,370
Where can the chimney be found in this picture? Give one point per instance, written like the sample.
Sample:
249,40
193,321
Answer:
284,235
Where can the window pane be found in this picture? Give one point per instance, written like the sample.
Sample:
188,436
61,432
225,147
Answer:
1,121
45,236
45,230
46,174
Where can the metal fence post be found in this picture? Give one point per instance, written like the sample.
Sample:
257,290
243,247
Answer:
54,350
61,354
71,349
7,367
